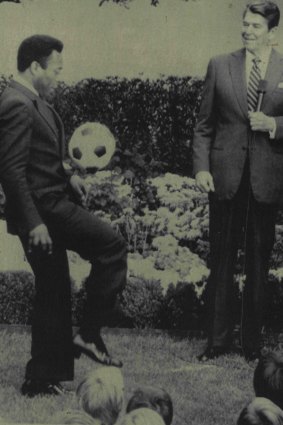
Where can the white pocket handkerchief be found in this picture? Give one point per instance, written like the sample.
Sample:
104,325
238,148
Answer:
280,85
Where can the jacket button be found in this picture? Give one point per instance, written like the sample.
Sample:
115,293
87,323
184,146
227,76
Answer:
244,148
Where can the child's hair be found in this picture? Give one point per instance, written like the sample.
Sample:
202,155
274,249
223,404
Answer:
268,377
154,398
261,411
142,416
101,394
75,417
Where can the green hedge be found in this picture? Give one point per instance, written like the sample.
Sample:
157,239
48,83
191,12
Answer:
153,120
16,297
142,304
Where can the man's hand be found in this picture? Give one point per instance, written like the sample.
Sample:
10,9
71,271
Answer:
261,122
204,181
39,237
80,187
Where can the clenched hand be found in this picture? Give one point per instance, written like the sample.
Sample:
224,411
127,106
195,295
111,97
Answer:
204,181
261,122
39,238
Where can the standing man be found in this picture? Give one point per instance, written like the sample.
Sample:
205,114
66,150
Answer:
42,210
238,161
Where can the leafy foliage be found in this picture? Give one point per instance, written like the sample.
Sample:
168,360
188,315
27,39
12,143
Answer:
124,3
141,302
274,298
148,197
16,295
152,121
182,309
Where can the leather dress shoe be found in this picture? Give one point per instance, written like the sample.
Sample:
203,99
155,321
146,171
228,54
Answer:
96,350
212,353
32,388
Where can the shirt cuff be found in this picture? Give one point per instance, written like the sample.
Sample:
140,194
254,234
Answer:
273,131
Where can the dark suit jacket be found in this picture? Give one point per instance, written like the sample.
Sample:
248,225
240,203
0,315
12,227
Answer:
31,154
222,133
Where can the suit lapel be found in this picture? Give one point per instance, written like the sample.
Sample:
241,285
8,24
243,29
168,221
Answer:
238,76
62,135
60,128
41,106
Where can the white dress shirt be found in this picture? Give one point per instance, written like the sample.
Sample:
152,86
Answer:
263,64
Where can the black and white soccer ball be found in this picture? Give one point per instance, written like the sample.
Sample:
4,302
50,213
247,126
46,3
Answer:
92,146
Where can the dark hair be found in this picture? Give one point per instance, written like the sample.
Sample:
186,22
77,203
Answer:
267,9
37,48
154,398
261,411
268,377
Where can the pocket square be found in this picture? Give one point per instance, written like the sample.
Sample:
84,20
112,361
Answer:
280,85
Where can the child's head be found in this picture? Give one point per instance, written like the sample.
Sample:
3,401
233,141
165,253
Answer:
76,417
101,394
268,377
261,411
154,398
142,416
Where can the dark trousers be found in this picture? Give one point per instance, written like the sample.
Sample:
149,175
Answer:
71,227
241,219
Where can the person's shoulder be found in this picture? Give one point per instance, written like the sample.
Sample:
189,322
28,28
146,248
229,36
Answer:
225,58
12,97
278,55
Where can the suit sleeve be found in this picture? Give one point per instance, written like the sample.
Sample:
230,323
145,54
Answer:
279,128
205,127
15,135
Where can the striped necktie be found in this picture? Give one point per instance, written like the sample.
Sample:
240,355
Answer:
254,80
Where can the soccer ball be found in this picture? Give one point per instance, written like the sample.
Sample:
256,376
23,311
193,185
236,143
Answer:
92,146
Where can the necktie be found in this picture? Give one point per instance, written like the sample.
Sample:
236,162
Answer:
254,80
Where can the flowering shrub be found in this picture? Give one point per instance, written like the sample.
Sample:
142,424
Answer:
163,217
169,263
277,253
109,193
184,211
161,240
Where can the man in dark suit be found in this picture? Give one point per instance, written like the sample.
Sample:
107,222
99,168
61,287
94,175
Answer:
44,207
238,160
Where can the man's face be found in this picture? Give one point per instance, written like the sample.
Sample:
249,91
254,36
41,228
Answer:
46,79
255,33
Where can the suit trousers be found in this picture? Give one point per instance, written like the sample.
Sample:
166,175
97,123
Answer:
74,228
241,219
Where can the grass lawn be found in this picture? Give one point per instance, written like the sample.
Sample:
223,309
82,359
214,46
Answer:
202,394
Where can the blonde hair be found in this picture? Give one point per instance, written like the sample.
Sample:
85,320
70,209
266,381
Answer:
75,417
101,394
261,411
142,416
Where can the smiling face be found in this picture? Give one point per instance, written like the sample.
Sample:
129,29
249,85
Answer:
256,35
45,80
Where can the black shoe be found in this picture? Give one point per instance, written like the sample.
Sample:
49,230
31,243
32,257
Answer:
212,353
96,350
32,388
